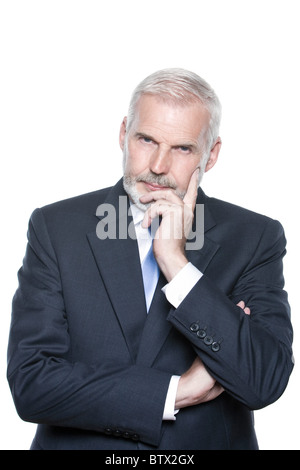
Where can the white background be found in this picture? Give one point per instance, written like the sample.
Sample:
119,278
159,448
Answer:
67,72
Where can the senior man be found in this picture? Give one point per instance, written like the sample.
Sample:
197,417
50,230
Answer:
144,339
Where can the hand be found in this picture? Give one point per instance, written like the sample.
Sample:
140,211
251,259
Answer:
177,218
242,305
196,386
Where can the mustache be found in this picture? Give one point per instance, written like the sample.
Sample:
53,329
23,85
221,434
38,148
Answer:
152,178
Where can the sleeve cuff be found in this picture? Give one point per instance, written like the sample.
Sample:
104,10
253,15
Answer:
177,289
169,410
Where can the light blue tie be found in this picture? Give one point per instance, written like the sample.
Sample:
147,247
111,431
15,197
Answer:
150,271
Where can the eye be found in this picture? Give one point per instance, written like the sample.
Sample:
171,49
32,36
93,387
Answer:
144,138
147,140
184,149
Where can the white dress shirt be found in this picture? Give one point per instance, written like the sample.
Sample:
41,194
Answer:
175,292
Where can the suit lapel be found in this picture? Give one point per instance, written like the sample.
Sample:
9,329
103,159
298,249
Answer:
201,258
119,267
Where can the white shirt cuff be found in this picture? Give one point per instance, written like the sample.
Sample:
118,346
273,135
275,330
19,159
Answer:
169,410
177,289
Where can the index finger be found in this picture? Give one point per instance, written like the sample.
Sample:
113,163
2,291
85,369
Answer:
192,190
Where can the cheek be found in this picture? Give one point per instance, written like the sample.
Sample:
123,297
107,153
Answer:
182,184
182,173
137,162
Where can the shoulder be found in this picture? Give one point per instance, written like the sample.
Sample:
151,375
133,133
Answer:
75,213
238,220
86,203
226,211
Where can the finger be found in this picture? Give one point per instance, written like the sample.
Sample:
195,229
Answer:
159,208
192,190
213,393
241,304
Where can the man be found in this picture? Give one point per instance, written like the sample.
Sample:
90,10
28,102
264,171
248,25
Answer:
102,360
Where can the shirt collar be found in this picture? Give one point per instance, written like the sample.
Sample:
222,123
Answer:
137,214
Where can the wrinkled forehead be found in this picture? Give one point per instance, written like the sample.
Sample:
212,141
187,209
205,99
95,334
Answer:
160,115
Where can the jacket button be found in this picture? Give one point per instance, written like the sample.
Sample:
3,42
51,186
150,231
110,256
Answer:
215,347
117,433
201,334
194,327
108,431
208,340
135,437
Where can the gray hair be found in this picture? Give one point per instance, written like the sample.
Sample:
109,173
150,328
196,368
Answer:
180,87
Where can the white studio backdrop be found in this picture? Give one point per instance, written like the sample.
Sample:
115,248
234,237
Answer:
68,68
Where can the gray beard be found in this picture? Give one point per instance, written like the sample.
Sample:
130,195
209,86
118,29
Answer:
129,185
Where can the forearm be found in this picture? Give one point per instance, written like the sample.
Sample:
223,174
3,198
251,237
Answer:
246,358
116,397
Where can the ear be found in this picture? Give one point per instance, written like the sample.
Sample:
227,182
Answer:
214,153
122,134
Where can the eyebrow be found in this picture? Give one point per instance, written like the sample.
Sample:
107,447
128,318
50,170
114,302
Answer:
190,145
141,134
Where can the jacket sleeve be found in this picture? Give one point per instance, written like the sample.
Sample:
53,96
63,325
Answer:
47,386
250,356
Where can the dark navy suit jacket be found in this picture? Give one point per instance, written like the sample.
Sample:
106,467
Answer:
88,364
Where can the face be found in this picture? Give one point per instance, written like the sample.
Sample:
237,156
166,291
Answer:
163,147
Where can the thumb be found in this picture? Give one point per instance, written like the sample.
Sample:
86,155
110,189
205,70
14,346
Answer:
192,190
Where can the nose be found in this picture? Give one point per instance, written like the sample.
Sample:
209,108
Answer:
160,161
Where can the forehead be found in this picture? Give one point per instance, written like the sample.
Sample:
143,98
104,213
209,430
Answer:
166,118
